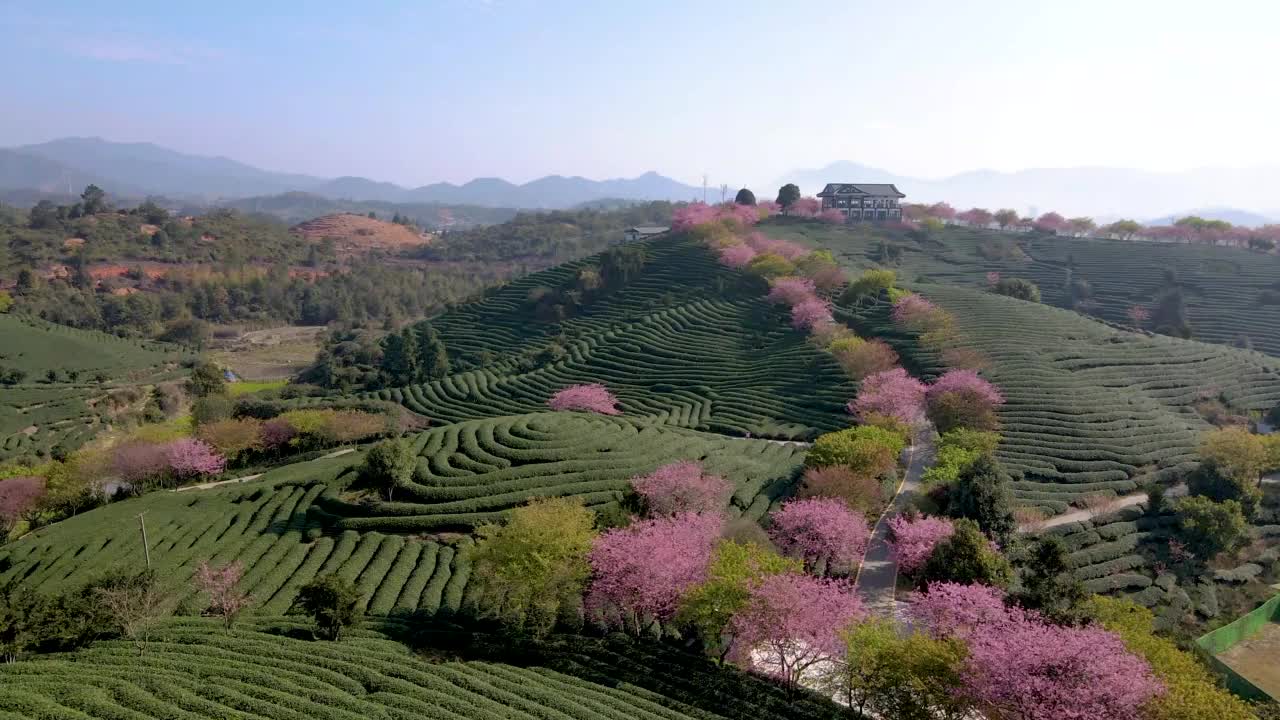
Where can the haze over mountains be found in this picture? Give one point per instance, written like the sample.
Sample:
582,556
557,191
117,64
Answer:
1244,196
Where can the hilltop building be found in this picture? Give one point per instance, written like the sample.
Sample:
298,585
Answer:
863,201
641,232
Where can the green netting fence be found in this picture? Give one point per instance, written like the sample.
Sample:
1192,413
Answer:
1225,637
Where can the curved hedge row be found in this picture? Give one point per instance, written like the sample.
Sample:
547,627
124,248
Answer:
474,472
683,343
194,670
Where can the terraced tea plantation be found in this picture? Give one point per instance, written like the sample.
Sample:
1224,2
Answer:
38,415
682,343
194,670
474,472
1231,294
266,526
1091,409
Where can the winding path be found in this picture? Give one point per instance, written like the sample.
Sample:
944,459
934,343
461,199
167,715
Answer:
878,576
1089,513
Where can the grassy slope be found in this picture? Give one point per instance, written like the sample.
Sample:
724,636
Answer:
61,413
1090,407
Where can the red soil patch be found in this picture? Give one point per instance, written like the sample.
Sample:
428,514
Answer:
73,242
357,233
148,229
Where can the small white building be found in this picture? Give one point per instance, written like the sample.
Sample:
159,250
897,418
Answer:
640,232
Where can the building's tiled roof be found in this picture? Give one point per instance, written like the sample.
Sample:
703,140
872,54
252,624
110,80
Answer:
649,229
876,189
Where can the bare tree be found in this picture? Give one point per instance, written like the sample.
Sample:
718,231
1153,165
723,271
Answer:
135,603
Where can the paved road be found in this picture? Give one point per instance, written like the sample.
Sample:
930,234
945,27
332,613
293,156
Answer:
1090,513
879,574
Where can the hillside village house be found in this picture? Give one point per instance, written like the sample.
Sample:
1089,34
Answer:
863,201
641,232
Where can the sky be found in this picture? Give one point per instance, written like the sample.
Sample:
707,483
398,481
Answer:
744,91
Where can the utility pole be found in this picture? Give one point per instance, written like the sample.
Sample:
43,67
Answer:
142,522
724,190
704,187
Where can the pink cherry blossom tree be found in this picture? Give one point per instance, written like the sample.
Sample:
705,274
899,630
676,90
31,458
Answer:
942,211
805,207
641,571
225,601
821,529
892,393
276,433
189,458
966,381
737,256
138,462
832,216
913,540
790,290
1020,667
993,278
762,243
791,623
682,487
811,313
1138,315
19,496
1051,222
976,217
592,397
687,217
912,309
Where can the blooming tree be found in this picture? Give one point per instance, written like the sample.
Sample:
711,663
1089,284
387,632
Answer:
790,290
976,217
642,570
592,397
1019,666
682,487
821,529
1051,222
892,393
689,216
966,381
136,462
738,255
792,623
190,458
960,398
225,601
832,216
810,314
783,248
1138,315
805,207
912,310
993,278
942,211
861,358
18,497
913,540
276,433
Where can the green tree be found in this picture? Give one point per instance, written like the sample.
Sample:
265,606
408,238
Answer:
431,359
6,301
1212,481
771,265
884,674
1170,316
206,379
1192,692
967,557
1235,453
44,216
332,602
1048,584
399,361
788,195
389,465
736,567
93,200
982,494
1211,527
20,618
535,562
745,197
1017,288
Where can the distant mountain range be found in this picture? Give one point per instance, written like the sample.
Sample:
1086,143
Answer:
143,168
1245,196
1251,194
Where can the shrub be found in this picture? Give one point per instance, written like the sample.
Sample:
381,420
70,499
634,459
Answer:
332,602
681,487
1017,288
858,449
770,265
858,490
593,397
821,530
232,438
535,562
861,358
869,284
966,557
211,409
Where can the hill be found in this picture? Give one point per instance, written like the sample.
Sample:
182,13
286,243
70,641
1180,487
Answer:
355,234
73,384
1091,408
297,207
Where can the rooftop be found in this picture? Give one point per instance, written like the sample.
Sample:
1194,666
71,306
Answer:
876,189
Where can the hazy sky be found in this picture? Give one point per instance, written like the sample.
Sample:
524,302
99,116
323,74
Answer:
416,92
